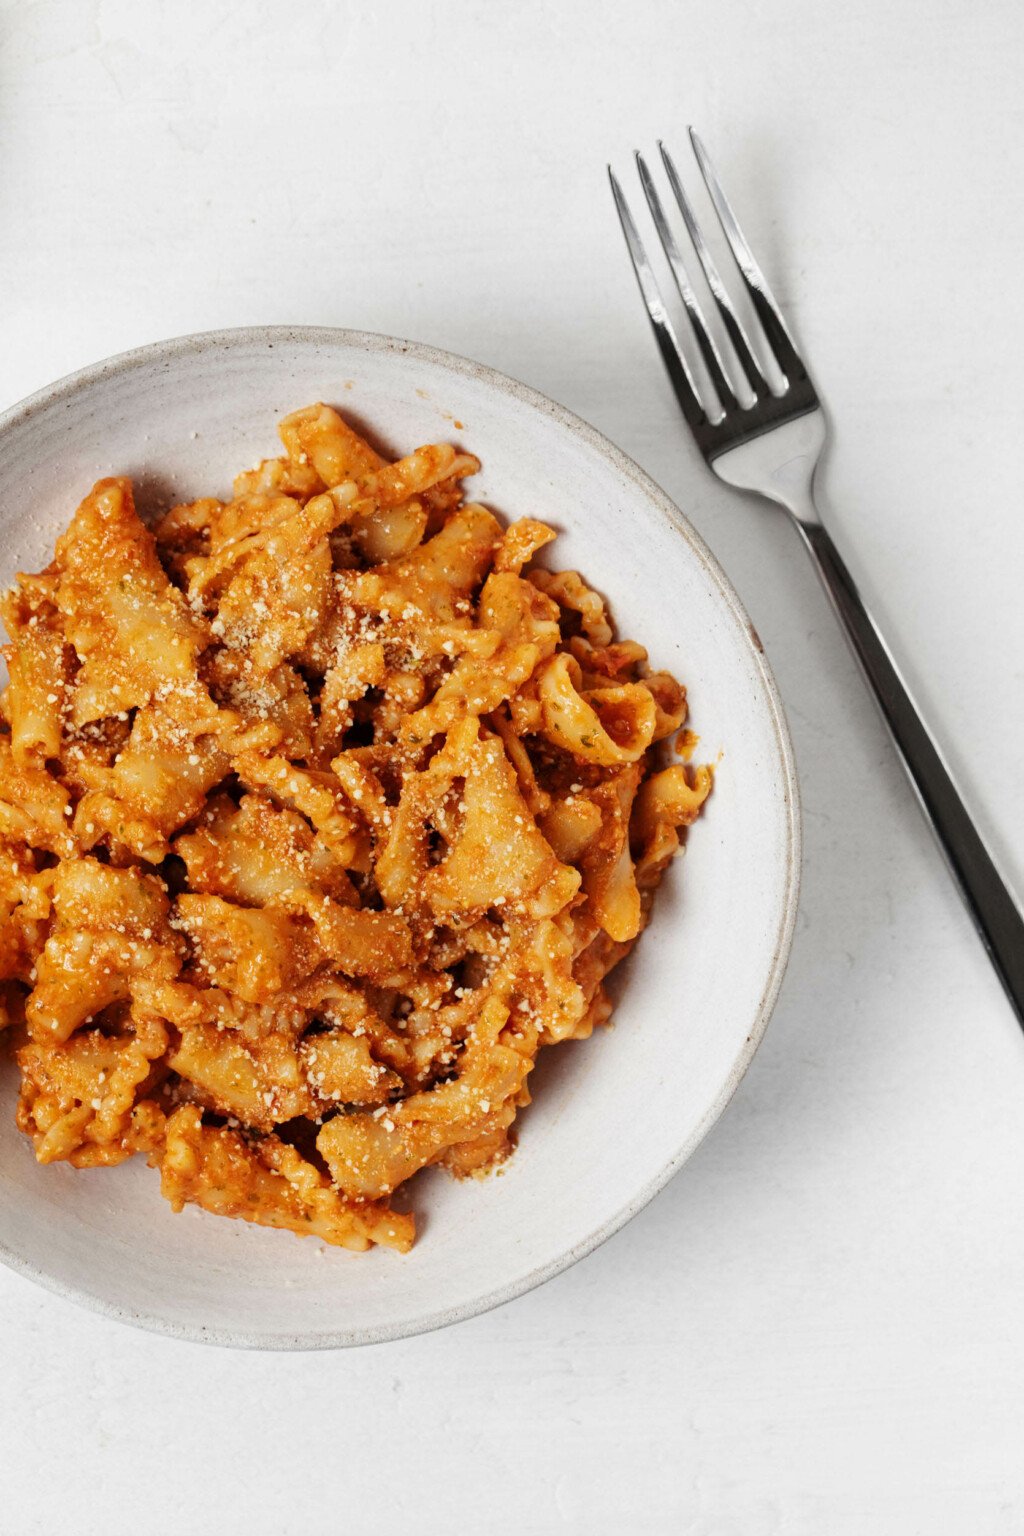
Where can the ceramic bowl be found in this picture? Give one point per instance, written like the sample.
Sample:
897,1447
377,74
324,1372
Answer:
613,1118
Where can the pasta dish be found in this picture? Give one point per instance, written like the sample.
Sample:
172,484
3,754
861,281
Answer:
322,809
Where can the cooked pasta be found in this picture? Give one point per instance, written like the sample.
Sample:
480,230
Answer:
322,809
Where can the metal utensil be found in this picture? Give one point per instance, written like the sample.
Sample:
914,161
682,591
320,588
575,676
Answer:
769,441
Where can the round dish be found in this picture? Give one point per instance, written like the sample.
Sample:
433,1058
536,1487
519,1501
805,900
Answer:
613,1118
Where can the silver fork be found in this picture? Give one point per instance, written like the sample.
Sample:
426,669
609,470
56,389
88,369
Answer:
772,446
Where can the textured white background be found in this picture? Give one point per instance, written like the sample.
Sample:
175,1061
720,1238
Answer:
819,1326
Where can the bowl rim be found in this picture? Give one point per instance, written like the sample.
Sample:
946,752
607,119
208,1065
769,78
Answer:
375,342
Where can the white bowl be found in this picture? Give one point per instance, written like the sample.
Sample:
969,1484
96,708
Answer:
613,1118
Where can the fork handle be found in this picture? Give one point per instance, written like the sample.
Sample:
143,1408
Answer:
995,913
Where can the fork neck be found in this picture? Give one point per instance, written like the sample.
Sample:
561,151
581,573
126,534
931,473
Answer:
798,501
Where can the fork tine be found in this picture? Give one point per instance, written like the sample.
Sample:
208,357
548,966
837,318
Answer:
664,334
737,335
705,340
761,296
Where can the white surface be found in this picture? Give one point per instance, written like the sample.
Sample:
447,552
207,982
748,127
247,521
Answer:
694,1000
818,1327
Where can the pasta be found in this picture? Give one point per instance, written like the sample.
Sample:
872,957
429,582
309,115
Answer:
322,810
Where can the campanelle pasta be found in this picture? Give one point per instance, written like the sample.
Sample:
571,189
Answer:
321,811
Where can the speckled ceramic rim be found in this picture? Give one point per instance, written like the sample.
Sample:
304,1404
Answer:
369,342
